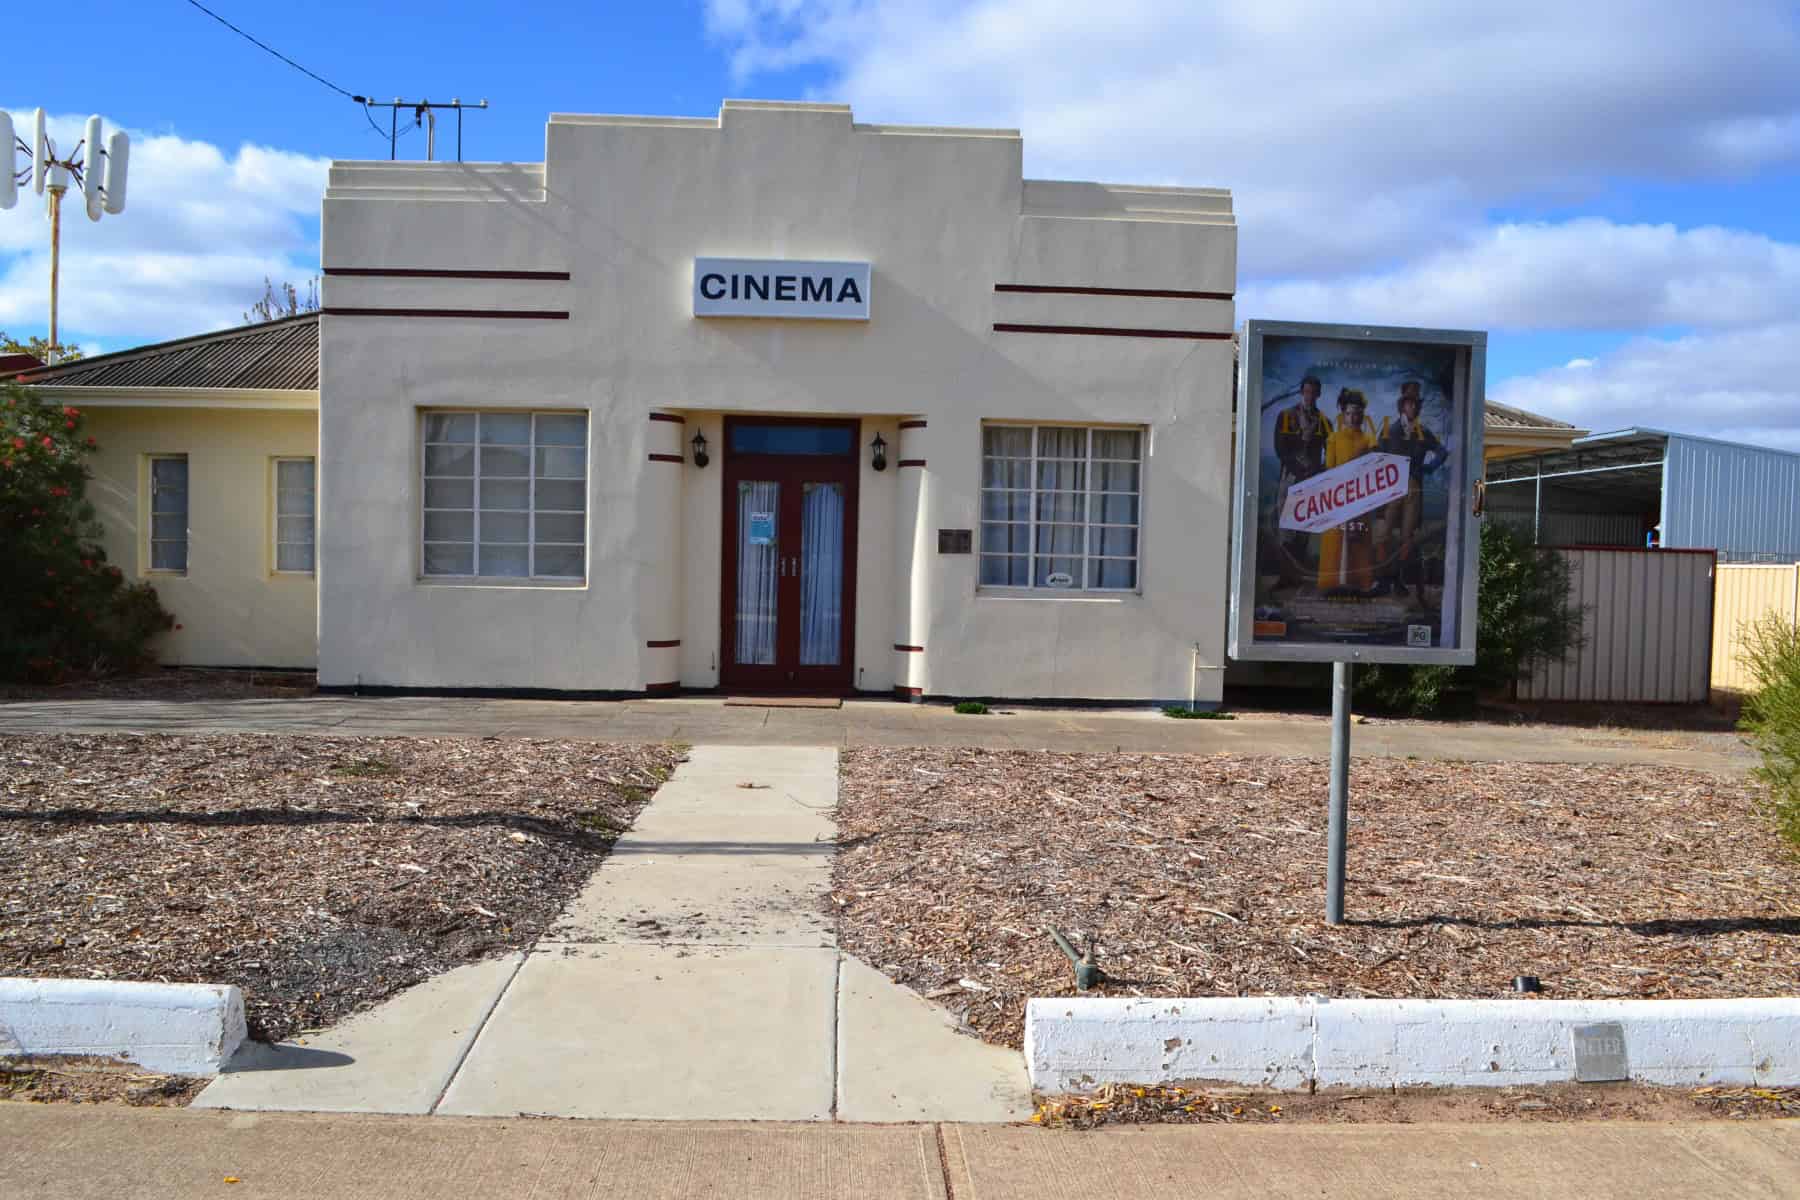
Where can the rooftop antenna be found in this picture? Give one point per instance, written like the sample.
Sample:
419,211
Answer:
100,174
424,114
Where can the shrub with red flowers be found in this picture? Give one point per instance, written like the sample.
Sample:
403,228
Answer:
64,611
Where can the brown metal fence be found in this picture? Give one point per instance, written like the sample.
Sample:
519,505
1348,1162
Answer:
1742,595
1647,629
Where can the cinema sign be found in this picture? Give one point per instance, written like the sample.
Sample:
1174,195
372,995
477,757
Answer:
764,287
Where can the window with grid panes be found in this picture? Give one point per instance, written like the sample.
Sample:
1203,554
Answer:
294,492
505,495
169,512
1060,507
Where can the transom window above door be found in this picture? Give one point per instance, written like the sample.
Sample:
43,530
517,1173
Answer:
505,495
752,437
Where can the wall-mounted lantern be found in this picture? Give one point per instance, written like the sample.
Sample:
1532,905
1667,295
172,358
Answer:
878,455
699,445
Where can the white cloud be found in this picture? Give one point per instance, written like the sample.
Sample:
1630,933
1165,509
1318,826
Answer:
1586,274
1352,135
200,231
1367,145
1737,385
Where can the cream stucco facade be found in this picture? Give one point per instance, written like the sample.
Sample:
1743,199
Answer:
568,287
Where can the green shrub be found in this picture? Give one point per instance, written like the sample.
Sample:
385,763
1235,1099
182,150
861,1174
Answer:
1772,715
1524,617
63,610
1183,713
973,708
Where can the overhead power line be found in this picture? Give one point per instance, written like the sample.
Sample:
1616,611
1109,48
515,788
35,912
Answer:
422,109
278,54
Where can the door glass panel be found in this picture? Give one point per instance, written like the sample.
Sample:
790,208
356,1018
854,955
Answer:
821,574
758,576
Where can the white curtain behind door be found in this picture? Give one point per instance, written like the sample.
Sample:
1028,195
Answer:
757,576
821,574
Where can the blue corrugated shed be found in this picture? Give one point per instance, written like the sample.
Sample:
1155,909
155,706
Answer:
1608,489
1743,501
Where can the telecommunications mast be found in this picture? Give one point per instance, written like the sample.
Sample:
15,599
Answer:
99,173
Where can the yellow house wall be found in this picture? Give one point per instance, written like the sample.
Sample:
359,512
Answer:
234,609
1502,443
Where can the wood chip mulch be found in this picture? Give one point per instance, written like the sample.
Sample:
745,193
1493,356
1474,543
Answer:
318,874
1204,876
1128,1104
81,1079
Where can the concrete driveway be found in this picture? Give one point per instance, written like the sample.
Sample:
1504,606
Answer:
696,977
872,723
63,1152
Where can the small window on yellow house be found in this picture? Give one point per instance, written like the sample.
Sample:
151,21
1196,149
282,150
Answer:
294,506
169,513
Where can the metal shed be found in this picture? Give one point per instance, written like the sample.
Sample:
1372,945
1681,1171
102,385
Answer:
1612,489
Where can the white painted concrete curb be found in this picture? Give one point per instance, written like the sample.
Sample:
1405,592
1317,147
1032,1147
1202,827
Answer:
174,1028
1293,1043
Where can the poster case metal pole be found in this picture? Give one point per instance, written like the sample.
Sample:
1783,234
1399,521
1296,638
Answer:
1340,792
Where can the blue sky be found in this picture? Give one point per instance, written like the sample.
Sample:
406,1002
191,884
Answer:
1611,189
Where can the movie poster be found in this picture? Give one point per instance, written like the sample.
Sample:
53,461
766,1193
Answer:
1361,480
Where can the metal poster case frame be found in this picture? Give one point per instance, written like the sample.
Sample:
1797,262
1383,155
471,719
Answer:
1462,546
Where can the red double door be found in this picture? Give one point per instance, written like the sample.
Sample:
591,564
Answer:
789,586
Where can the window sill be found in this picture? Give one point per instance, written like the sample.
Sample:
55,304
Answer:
292,574
472,581
1064,595
164,572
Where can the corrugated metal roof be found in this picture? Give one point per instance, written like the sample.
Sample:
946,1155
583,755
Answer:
1505,416
281,354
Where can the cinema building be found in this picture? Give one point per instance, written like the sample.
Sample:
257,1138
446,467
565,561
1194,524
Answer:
773,401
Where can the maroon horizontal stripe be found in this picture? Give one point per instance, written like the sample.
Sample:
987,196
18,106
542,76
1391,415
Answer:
912,424
1152,293
521,314
1108,331
663,645
435,273
674,458
906,692
669,417
912,462
909,649
674,685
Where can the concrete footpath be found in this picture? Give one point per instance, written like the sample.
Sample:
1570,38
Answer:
73,1153
873,723
697,976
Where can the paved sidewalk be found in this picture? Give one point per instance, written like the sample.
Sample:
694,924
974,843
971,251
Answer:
870,723
696,977
64,1152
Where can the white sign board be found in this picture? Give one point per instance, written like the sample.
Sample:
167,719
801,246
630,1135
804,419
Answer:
1344,493
769,287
